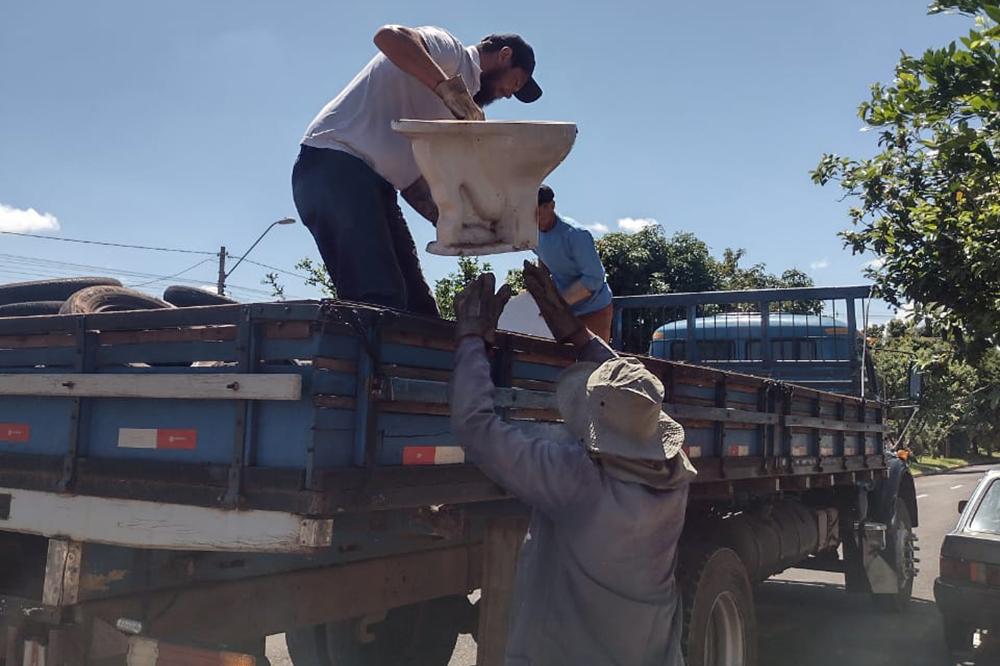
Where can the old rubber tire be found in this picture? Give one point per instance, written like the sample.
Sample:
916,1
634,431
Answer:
422,634
720,626
188,297
110,299
50,290
30,309
899,552
957,635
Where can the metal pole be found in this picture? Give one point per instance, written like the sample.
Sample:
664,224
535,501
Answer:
220,288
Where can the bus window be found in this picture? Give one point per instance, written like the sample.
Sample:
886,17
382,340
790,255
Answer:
784,349
708,350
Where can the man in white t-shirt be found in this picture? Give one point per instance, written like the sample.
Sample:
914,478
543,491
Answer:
351,162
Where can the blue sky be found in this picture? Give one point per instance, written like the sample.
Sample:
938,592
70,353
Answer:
176,124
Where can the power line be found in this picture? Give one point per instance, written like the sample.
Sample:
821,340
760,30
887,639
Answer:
170,277
64,267
156,249
107,244
279,270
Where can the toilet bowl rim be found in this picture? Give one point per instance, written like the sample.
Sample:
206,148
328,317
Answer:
413,126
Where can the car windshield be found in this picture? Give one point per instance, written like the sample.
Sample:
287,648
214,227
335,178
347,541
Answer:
987,517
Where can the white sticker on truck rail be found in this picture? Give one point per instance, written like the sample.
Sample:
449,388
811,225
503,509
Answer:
693,451
433,455
157,438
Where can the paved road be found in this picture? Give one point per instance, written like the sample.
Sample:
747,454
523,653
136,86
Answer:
805,617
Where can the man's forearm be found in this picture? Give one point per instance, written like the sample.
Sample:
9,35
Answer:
418,195
405,49
576,293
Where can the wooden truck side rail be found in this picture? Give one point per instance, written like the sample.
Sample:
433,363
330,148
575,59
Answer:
329,423
375,372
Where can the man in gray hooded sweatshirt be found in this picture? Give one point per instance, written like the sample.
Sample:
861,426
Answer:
595,578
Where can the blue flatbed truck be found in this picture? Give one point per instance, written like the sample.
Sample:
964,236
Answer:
176,485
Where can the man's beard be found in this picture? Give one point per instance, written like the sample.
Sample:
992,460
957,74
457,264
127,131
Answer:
487,89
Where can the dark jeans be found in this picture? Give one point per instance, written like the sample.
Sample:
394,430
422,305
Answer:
355,219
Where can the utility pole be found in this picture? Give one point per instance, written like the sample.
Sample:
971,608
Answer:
220,288
223,273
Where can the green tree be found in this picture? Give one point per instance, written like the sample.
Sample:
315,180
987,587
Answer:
648,262
929,203
277,289
515,278
959,407
317,276
733,277
447,288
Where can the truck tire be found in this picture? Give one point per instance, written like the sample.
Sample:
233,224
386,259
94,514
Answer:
50,290
110,299
421,634
30,308
957,635
720,627
900,554
187,297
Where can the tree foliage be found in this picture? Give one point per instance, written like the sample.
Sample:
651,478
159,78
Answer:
959,407
929,203
448,287
650,262
647,262
317,276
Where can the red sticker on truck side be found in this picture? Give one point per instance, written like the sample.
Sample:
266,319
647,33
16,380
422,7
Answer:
15,432
167,438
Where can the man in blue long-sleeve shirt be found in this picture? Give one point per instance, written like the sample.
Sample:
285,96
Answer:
595,579
571,257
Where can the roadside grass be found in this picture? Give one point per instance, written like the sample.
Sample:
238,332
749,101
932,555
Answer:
930,464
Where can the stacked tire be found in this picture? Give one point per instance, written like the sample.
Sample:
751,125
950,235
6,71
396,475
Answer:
84,295
45,297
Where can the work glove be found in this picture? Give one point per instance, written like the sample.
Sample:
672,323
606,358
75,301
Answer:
456,97
553,307
478,308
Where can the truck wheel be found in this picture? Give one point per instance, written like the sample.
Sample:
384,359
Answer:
423,634
50,290
899,551
720,627
957,635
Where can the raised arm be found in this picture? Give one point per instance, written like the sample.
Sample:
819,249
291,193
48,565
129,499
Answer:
407,49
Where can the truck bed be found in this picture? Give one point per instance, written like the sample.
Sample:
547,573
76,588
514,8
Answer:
325,408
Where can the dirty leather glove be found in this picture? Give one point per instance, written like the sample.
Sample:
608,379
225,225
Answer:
456,97
477,308
553,307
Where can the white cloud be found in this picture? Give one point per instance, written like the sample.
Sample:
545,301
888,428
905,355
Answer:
820,265
874,264
26,221
631,225
598,228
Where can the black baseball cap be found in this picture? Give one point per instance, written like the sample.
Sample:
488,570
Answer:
545,195
523,57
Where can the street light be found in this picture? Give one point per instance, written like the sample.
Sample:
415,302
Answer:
224,274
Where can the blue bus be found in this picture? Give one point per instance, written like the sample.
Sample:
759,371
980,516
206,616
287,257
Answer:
824,351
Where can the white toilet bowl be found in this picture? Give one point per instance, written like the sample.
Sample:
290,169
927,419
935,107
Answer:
484,177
